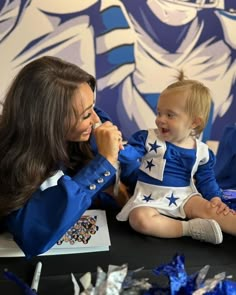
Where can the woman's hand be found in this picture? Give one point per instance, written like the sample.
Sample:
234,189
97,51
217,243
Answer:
109,141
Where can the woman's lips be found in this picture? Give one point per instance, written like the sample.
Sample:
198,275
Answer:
87,132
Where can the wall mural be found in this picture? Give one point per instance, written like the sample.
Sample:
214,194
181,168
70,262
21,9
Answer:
135,48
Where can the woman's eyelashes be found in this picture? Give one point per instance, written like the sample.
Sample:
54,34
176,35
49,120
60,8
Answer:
86,116
88,112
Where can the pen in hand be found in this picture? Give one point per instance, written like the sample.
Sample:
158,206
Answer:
117,166
96,125
36,277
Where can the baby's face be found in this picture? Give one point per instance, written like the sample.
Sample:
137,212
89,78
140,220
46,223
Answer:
173,122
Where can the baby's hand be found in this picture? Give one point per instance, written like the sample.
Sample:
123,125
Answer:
221,206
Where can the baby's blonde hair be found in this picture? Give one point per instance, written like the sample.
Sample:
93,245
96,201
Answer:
199,100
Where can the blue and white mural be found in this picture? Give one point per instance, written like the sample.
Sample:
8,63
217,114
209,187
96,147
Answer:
135,48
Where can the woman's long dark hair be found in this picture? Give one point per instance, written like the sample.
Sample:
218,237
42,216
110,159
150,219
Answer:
33,127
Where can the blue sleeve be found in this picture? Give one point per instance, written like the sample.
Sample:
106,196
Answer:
48,214
138,141
205,179
130,157
102,115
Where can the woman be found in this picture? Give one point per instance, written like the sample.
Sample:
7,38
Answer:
50,172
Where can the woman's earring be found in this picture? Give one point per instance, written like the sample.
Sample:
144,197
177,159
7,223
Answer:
193,133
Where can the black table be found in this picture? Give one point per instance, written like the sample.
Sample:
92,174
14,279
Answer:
128,247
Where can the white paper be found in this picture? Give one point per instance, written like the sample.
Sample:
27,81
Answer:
89,234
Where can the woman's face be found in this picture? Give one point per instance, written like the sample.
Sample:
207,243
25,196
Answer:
83,104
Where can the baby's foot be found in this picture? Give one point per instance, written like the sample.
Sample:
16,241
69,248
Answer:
206,230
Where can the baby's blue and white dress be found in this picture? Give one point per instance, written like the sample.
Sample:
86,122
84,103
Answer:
169,175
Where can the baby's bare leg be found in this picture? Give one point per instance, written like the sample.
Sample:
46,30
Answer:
149,221
200,207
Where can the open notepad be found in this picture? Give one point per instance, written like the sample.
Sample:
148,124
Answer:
89,234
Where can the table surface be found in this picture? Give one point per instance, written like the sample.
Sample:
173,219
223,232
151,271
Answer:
128,247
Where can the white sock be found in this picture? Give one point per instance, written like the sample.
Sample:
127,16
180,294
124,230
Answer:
185,226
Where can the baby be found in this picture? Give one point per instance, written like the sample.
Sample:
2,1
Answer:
176,193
